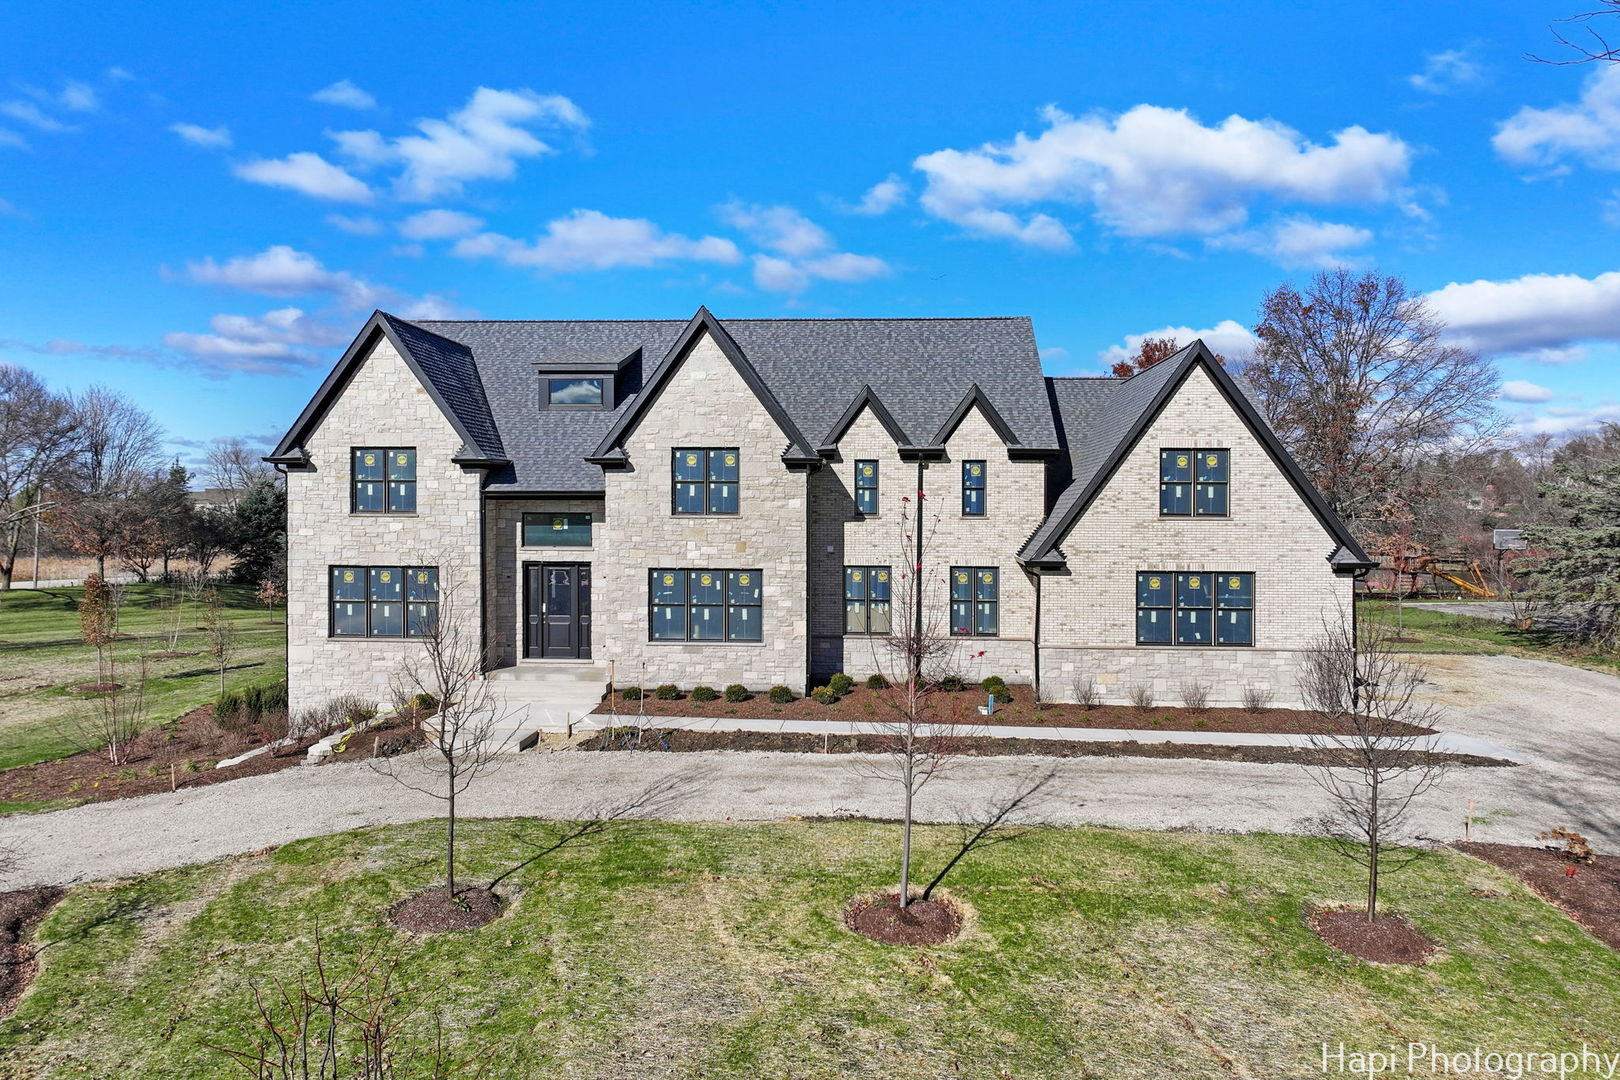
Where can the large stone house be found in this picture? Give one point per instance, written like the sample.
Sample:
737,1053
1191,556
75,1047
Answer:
706,502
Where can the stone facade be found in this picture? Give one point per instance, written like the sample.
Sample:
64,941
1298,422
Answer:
1088,615
505,555
383,405
840,537
705,403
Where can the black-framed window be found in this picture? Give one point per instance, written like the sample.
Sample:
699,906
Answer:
574,393
384,601
975,601
1193,482
1194,608
384,480
973,488
705,480
868,608
866,486
704,605
557,530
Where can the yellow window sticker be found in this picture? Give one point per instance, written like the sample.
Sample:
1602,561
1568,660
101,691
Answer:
883,575
961,579
559,524
400,459
371,459
987,577
691,459
854,575
1233,583
742,579
1210,459
1181,461
706,579
384,576
974,470
348,576
669,579
731,459
1192,582
1153,583
421,577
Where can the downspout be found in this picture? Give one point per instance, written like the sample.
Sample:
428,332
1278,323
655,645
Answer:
1037,642
916,576
286,554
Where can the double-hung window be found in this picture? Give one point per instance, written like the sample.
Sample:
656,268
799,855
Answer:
1194,608
973,489
867,605
384,480
866,487
1193,482
705,480
384,601
975,601
704,605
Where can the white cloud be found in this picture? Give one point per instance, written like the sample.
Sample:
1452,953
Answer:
1054,353
279,341
1587,130
775,274
1566,421
1299,242
439,225
355,225
1227,337
591,240
32,115
483,140
803,250
308,173
781,229
1542,315
78,96
198,135
346,94
280,270
880,198
1519,390
1154,171
1447,71
11,138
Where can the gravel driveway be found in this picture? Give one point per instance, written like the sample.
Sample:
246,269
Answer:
1566,722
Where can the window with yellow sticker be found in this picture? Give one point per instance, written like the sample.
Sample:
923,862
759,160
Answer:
704,605
705,480
383,601
866,486
867,603
557,530
384,480
1193,483
975,601
1194,608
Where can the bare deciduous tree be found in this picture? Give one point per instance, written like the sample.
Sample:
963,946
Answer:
463,733
110,721
913,746
232,466
39,436
1356,378
1598,48
1368,697
219,632
118,448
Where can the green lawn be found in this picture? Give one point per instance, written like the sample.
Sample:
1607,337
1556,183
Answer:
717,951
41,657
1441,632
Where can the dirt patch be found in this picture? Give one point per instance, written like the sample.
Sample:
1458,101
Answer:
20,912
432,911
921,922
1590,895
1384,939
96,687
962,707
186,749
682,741
170,655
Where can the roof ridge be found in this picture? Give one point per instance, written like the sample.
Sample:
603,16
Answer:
762,318
417,326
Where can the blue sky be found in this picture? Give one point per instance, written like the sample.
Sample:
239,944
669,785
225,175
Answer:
199,204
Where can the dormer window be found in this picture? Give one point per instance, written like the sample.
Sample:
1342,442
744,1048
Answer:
570,393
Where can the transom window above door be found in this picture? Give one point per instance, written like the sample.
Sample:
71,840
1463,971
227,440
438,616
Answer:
384,480
557,530
705,480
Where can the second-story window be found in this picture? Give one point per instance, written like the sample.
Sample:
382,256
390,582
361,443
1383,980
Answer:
705,480
866,487
385,480
973,489
574,393
1193,483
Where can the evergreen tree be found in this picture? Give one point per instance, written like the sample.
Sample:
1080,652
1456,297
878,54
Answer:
1579,570
259,525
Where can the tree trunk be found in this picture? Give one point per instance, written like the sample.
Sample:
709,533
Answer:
450,842
101,564
905,852
1373,832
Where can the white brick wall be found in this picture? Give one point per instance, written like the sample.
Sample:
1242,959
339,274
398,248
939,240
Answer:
1089,615
383,405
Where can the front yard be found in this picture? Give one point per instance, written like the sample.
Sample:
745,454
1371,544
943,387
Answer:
1444,632
42,658
686,950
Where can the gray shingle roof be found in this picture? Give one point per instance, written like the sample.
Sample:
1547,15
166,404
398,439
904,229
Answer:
919,368
449,366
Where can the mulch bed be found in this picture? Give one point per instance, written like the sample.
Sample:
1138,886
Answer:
961,707
432,911
922,922
682,741
1591,897
1385,939
192,744
20,912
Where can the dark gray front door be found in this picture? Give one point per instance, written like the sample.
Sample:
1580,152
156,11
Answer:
557,610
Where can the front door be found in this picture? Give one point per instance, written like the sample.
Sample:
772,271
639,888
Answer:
557,610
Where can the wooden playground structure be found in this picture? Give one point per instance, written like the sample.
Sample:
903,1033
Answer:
1417,573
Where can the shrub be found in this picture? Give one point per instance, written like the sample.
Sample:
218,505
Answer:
1256,699
825,695
736,692
951,683
630,693
840,684
1194,695
360,714
780,695
1141,696
227,709
994,684
424,703
1572,845
667,692
1086,693
876,682
704,693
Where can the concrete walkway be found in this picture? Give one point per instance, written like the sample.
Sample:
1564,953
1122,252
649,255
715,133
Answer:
1564,722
